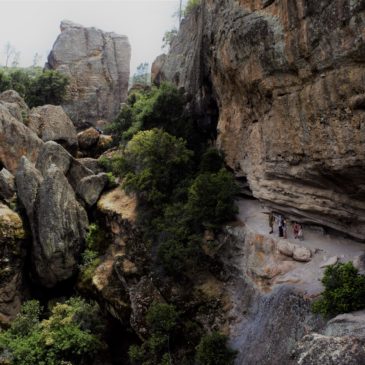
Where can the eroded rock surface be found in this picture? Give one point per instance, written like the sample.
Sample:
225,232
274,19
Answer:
16,140
288,79
97,64
57,219
51,123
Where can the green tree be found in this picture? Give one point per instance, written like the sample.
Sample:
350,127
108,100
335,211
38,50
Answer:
71,333
154,161
344,290
168,38
211,198
213,350
47,88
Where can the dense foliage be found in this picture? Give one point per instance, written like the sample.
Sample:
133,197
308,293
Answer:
181,190
71,333
161,107
37,87
213,350
153,162
344,290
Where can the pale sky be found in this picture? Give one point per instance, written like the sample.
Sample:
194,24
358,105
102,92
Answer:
33,26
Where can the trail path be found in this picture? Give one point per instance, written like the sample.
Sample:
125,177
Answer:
323,246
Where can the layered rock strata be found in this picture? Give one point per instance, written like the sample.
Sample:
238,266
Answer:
288,78
97,64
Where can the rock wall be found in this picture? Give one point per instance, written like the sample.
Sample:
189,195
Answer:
288,78
97,64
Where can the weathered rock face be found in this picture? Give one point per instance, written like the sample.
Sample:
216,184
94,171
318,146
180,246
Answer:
58,221
342,342
97,64
51,123
12,253
288,78
16,139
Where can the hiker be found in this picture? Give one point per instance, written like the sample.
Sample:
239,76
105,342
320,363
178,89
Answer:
281,226
271,222
295,229
285,229
300,232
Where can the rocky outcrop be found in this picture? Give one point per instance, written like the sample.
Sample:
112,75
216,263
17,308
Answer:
97,64
12,257
288,81
58,221
342,342
51,123
16,139
15,104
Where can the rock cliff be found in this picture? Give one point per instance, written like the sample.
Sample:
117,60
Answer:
97,64
288,80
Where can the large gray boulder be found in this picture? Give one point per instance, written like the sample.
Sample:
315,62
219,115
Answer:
90,188
15,104
51,123
58,221
16,140
61,226
97,64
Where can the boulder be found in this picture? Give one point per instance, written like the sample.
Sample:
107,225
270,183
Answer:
302,254
90,188
15,104
104,142
12,258
16,140
57,220
88,138
97,64
92,164
317,349
51,123
53,153
61,229
7,184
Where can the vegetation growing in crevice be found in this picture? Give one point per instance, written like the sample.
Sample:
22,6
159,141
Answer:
344,290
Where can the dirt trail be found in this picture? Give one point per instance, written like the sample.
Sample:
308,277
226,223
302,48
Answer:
323,246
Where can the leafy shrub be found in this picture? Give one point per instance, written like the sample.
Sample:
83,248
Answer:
161,321
36,87
71,333
344,290
161,107
211,161
154,161
48,88
211,198
162,318
213,350
95,239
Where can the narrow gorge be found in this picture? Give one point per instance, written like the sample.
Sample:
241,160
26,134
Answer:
135,218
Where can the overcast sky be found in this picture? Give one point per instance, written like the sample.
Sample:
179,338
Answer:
33,26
